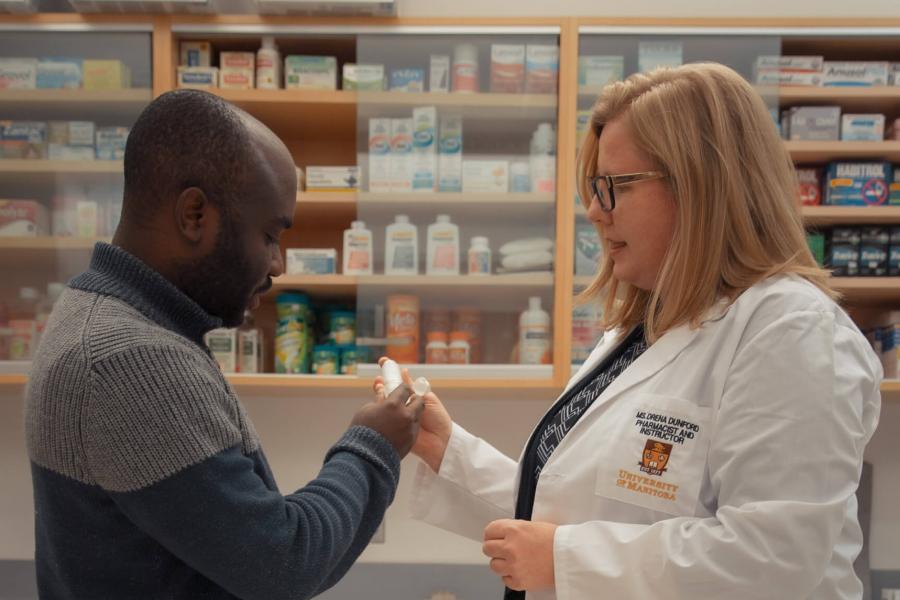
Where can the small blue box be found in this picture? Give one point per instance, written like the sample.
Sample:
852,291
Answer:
408,80
111,143
59,73
858,183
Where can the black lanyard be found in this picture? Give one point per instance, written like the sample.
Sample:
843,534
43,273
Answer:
528,479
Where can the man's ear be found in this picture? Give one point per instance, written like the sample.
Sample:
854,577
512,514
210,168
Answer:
195,216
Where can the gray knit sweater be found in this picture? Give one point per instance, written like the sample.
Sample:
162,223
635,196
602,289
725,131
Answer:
149,479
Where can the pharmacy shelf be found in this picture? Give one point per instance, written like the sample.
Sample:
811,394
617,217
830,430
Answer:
76,99
879,99
822,152
333,205
299,114
117,107
348,204
486,107
861,291
22,170
826,216
512,287
41,253
470,377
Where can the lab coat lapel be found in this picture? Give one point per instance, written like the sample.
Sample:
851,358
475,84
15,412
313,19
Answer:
646,365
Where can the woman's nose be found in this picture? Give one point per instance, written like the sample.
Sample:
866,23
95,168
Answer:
597,214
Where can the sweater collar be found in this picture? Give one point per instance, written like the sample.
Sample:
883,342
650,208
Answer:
115,272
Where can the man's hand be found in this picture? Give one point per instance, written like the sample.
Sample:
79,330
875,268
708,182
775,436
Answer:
436,424
393,418
521,552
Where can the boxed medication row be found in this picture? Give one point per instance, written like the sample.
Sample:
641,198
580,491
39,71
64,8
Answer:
826,123
61,140
815,71
868,251
64,73
850,184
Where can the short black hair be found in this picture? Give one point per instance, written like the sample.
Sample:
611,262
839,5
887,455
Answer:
182,139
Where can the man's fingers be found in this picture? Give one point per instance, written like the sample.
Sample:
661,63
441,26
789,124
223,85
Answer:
379,380
407,378
400,395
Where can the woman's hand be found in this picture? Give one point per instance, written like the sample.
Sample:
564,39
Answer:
435,424
521,552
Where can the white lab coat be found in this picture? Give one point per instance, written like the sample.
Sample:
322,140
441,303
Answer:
767,408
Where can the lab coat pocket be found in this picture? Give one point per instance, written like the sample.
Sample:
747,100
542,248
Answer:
659,456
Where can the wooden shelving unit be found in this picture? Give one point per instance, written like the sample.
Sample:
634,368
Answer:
826,216
30,171
823,152
76,99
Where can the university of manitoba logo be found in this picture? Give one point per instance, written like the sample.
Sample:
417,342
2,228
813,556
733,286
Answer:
655,457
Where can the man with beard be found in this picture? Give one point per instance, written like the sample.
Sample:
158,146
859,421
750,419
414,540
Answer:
149,478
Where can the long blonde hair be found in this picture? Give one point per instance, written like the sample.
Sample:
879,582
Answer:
734,186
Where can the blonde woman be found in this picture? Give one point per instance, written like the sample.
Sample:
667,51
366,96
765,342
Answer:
711,445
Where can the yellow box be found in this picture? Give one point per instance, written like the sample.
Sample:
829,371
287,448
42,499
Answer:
105,75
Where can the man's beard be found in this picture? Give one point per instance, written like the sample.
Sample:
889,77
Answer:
221,282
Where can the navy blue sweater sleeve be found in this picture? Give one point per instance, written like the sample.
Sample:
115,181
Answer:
220,518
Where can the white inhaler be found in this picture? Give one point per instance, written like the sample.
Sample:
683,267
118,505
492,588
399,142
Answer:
393,379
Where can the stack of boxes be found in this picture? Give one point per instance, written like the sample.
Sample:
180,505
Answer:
61,140
63,73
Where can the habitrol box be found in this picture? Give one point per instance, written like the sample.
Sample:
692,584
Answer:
873,251
843,257
858,183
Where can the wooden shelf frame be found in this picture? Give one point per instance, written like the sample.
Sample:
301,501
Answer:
318,115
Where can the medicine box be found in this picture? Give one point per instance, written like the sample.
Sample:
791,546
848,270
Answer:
236,79
439,73
663,53
199,78
195,54
105,75
597,71
18,73
310,72
814,123
894,252
588,250
541,68
110,143
507,68
22,218
810,181
816,242
59,73
858,183
788,78
894,188
862,128
485,176
894,74
328,179
71,140
363,77
379,155
790,63
408,80
425,163
311,261
237,60
23,139
856,73
843,256
873,251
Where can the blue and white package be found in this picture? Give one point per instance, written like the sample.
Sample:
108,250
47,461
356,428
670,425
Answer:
858,183
111,143
408,80
59,73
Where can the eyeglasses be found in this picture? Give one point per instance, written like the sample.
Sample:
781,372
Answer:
604,186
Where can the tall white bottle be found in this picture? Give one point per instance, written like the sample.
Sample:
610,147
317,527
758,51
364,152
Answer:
443,247
543,159
534,334
401,247
357,249
268,65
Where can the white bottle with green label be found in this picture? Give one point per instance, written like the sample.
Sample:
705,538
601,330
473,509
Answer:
401,247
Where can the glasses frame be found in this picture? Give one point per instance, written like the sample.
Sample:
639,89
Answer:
617,180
